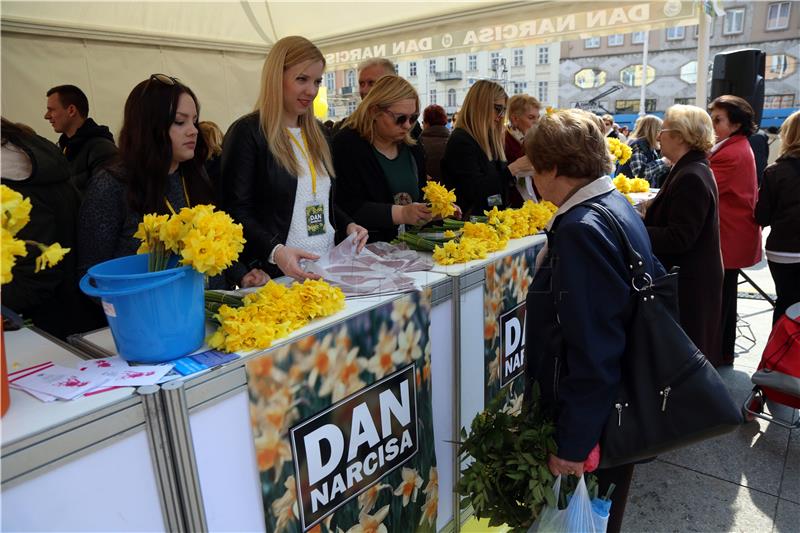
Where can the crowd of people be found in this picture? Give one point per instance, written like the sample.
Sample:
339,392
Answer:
278,171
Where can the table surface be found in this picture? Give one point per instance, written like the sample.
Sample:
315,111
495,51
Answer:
353,306
28,416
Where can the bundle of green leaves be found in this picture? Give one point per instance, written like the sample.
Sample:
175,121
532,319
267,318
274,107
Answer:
505,478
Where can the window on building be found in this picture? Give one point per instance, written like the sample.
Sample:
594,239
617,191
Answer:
330,82
637,37
632,75
432,96
542,92
432,66
494,58
519,56
710,30
351,78
543,55
734,21
617,39
351,107
412,69
778,16
676,34
472,62
592,42
451,98
682,101
780,66
778,101
590,78
689,72
451,64
519,87
632,106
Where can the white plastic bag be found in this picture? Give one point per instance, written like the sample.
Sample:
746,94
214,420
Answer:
578,517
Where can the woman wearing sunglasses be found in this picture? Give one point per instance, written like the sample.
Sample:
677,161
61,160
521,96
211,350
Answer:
159,170
278,178
381,168
474,161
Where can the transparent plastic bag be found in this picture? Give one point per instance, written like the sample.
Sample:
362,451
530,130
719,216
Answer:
580,516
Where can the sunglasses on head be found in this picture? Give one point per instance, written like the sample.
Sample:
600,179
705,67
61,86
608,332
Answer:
402,119
499,109
166,80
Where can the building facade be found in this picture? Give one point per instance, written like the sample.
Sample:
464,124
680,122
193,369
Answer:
593,66
445,80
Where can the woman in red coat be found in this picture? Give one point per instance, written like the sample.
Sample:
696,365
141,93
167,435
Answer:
734,169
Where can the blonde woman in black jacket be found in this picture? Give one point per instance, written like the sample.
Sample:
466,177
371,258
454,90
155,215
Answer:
779,207
277,172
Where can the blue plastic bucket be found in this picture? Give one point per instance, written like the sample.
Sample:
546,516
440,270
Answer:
154,316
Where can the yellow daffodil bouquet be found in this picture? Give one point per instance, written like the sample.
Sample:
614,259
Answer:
16,214
621,151
273,312
440,199
207,240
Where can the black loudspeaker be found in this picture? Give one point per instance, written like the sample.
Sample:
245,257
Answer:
740,73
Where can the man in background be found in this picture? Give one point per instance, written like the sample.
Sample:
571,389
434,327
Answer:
86,145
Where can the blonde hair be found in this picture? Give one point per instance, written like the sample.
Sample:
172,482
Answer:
386,91
286,53
519,103
692,124
647,128
477,117
790,136
572,142
212,135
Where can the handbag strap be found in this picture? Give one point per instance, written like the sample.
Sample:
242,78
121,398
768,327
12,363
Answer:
640,279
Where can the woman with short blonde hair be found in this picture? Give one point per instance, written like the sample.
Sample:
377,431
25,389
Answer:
779,207
683,224
474,162
279,180
380,166
645,162
522,114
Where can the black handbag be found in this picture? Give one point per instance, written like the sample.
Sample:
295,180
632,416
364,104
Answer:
670,395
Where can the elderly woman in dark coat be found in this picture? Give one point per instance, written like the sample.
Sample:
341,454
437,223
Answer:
683,224
578,301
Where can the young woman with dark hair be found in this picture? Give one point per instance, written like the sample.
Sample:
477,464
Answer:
159,170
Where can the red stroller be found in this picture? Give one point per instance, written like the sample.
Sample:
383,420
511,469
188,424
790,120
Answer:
778,374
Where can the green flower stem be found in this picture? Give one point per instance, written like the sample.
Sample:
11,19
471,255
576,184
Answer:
416,242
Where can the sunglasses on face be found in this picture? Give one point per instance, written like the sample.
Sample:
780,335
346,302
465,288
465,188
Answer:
402,119
499,110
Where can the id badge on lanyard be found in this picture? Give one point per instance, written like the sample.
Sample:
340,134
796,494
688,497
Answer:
315,218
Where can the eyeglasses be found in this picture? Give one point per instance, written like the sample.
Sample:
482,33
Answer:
402,119
499,109
662,130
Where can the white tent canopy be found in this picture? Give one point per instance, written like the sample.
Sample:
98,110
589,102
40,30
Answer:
217,48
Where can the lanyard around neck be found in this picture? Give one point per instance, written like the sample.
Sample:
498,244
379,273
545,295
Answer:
304,150
185,197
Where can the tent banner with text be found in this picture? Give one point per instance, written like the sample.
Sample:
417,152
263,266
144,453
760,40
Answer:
343,425
504,319
539,22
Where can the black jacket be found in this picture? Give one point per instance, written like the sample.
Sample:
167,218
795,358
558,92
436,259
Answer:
259,193
475,178
87,150
779,204
759,143
50,298
434,140
363,189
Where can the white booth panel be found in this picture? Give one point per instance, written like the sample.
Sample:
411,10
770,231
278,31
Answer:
473,381
111,489
226,465
442,361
